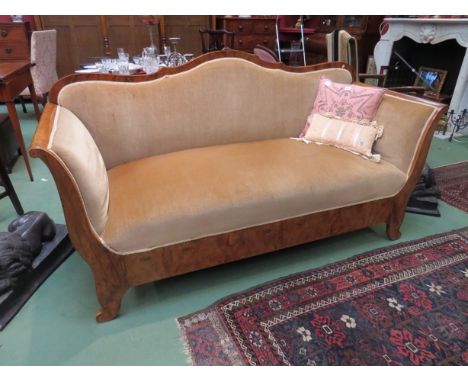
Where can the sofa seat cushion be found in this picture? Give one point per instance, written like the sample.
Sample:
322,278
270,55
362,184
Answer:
200,192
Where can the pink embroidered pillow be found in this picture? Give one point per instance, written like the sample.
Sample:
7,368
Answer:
349,102
356,137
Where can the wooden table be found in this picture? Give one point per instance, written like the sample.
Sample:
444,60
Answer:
14,77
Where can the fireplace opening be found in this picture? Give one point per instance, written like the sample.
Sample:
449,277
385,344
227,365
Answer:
447,55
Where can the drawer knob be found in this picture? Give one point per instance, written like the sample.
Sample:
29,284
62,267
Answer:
240,27
4,33
8,50
240,42
266,27
265,42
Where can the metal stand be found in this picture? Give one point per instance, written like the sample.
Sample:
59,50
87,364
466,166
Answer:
459,121
291,50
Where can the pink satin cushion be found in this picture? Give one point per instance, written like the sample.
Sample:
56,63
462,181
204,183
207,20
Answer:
346,101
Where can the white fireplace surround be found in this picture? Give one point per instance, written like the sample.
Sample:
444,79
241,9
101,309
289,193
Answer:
428,31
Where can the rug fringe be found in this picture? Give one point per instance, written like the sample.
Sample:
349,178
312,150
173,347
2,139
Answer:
184,341
450,164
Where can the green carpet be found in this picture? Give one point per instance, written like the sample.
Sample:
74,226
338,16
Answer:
57,327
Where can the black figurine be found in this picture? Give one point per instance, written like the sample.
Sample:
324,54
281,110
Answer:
21,245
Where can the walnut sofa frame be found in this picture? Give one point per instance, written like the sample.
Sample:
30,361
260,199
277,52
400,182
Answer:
114,274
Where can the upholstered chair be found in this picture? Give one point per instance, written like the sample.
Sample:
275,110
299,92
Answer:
265,53
341,46
44,56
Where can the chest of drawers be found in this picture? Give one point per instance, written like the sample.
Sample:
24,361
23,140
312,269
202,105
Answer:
249,31
14,41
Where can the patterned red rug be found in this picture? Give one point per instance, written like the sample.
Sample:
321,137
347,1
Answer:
402,305
452,181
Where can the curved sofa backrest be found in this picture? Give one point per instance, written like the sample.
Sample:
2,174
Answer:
221,101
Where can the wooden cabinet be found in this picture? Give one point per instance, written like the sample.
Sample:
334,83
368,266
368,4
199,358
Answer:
80,38
364,28
14,41
249,31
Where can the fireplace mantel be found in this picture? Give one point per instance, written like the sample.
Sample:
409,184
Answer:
428,31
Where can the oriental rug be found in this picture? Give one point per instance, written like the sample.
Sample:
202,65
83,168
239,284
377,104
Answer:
452,181
401,305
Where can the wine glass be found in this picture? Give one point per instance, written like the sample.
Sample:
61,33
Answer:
175,58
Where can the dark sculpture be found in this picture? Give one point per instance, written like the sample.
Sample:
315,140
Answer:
21,245
423,199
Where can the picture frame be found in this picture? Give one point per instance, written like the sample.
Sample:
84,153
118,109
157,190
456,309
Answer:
434,78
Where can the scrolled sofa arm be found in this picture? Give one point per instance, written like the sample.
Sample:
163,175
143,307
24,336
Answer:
409,123
64,137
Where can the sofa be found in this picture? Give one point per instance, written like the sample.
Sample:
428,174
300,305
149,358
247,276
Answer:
192,167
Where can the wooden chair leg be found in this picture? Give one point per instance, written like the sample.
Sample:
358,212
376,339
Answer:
23,105
44,98
9,189
19,135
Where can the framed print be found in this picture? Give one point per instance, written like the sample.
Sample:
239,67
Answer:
431,78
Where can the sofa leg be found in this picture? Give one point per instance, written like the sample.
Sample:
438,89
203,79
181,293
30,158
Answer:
393,231
393,225
109,298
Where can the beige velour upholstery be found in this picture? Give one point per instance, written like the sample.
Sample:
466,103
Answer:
74,145
205,191
404,121
206,151
222,101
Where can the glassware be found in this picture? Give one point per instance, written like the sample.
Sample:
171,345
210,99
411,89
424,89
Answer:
188,56
150,51
124,56
150,22
162,60
167,50
99,67
105,65
150,64
123,66
175,58
137,60
109,64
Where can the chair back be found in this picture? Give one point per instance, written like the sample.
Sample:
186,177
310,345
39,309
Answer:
341,46
44,56
265,53
216,39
